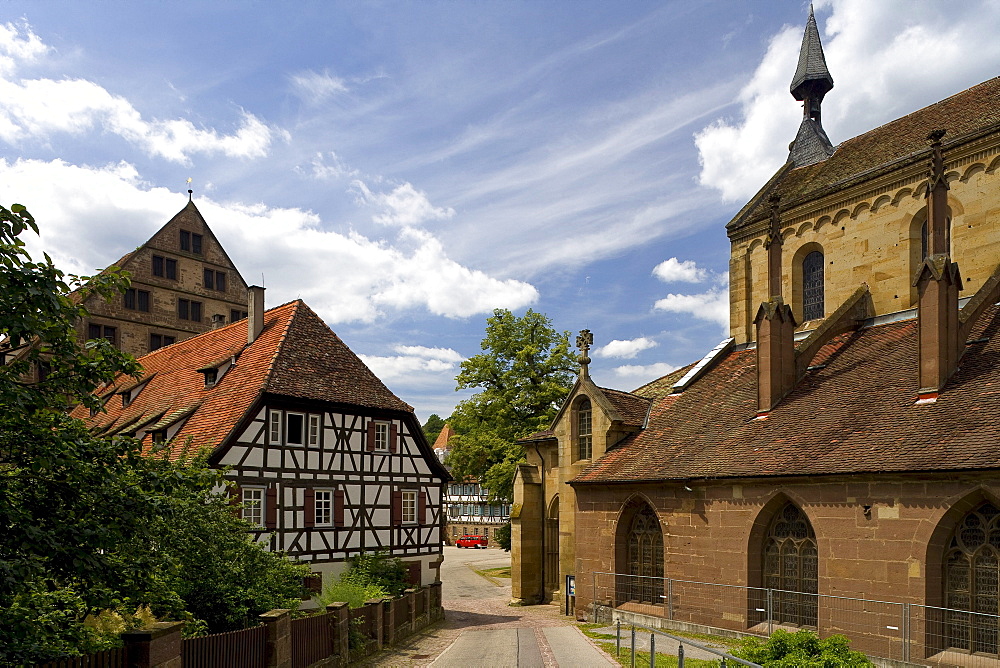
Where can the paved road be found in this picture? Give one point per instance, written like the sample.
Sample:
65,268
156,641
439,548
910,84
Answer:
480,630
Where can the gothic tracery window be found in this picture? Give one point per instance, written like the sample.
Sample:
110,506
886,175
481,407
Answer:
791,567
812,286
584,429
645,558
971,578
552,546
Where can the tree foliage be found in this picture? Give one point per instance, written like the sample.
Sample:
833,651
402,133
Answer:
523,375
802,649
433,427
89,523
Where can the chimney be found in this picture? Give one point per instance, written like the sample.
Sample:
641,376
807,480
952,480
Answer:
938,282
775,327
218,320
255,312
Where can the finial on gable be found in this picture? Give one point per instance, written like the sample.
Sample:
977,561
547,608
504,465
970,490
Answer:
583,341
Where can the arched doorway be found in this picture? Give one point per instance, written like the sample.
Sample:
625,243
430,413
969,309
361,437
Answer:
644,558
790,567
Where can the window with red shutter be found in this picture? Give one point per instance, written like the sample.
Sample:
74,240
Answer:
397,508
393,438
271,508
421,508
310,508
338,508
370,445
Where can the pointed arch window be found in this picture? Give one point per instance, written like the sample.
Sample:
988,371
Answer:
791,567
552,546
645,558
584,429
813,307
971,579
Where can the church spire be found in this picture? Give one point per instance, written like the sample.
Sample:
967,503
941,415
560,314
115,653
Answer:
812,81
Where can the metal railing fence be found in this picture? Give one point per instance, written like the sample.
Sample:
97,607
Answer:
900,631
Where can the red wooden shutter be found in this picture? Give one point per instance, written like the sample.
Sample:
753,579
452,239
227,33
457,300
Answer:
338,508
310,508
397,508
370,445
271,508
421,508
236,500
392,438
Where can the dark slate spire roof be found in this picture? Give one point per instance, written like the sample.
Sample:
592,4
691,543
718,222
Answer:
811,144
812,64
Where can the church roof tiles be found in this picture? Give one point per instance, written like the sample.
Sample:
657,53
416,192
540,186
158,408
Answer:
854,412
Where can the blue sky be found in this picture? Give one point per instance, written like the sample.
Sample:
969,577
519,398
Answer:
406,167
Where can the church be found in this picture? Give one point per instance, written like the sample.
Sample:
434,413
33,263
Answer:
834,465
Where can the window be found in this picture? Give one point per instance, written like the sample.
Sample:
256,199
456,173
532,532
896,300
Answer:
486,533
294,428
215,280
137,300
158,437
185,240
454,531
274,428
453,511
812,286
253,505
584,439
211,377
971,573
644,550
324,507
157,341
791,567
165,267
313,431
95,331
381,435
236,315
189,310
190,242
409,506
196,243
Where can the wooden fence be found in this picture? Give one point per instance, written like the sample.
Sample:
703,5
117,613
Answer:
334,638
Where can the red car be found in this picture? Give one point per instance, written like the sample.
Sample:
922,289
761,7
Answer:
472,541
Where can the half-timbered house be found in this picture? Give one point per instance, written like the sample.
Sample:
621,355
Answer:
327,461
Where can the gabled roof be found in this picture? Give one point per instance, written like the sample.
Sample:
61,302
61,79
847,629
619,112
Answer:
853,413
296,356
441,442
966,115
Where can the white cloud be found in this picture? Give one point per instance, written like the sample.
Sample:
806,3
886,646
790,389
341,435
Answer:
712,306
625,349
404,205
90,216
876,73
39,108
674,270
637,375
314,87
327,167
415,365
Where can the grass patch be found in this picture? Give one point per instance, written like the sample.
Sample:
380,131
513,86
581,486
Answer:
607,643
662,660
502,572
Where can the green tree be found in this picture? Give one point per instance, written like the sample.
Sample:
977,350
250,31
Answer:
524,375
433,427
89,523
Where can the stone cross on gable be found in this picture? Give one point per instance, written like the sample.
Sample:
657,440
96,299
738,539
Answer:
583,342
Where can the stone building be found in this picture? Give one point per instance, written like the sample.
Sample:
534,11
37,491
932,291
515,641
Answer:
183,284
834,464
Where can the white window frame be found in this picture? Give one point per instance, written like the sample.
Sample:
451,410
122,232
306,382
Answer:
302,431
274,427
408,507
253,500
382,436
314,431
324,501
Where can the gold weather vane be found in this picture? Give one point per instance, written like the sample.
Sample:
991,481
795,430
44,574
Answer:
190,192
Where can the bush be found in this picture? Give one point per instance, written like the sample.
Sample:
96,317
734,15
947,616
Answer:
352,593
502,537
802,649
380,570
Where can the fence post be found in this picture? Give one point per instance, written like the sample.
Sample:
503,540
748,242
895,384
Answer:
906,632
680,655
373,611
632,664
340,632
670,598
156,647
652,650
411,597
388,621
278,646
618,638
770,610
593,595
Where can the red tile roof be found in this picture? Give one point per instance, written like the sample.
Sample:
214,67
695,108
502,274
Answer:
632,408
296,355
966,115
854,415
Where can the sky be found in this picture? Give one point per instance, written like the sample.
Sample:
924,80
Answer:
407,167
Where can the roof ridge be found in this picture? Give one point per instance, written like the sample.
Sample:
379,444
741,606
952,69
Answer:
281,341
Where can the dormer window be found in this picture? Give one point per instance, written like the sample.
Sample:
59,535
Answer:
158,437
211,376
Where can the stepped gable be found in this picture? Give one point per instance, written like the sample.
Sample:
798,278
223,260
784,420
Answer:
853,413
966,115
295,355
